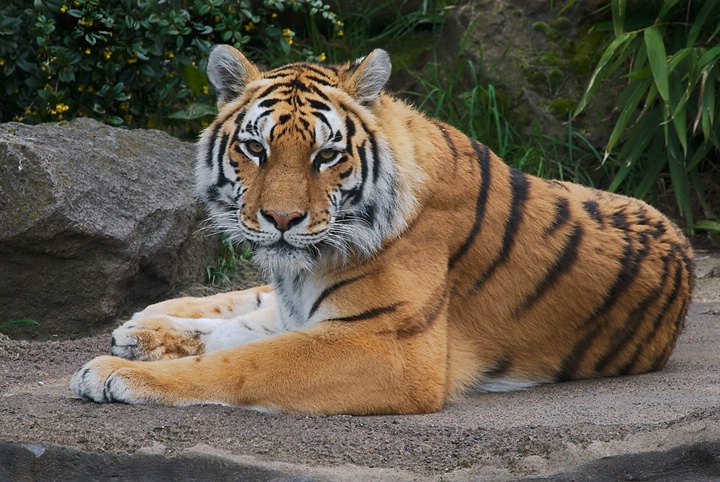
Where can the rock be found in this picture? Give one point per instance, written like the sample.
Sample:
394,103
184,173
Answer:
95,223
539,59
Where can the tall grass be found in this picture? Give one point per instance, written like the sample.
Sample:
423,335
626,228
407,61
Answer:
478,112
668,127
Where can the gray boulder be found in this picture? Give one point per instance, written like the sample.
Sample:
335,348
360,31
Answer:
95,222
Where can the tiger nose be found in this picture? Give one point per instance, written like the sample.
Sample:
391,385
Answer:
283,221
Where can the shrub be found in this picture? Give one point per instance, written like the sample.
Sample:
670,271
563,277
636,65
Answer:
141,63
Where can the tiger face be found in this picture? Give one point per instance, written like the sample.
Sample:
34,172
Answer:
292,165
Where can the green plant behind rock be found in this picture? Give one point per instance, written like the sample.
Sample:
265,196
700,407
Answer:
668,122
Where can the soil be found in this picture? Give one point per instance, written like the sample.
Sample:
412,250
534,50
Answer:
566,428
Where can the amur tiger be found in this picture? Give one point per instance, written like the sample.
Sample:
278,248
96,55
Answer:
408,264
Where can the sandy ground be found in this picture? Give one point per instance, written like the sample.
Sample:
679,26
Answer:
48,434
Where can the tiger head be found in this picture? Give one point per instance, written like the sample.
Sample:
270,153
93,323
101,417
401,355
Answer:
295,164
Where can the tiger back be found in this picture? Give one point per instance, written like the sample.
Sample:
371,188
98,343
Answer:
408,264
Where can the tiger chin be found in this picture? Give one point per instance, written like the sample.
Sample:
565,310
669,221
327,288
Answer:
408,265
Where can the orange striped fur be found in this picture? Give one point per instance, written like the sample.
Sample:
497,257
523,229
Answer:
408,263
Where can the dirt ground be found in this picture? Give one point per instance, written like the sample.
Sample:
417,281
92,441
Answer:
46,433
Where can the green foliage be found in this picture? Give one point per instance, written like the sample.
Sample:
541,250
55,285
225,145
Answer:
140,63
480,113
228,258
669,119
8,324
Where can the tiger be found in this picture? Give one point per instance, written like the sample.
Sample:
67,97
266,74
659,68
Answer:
408,265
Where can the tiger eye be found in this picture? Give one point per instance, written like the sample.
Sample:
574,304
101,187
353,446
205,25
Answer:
255,147
327,154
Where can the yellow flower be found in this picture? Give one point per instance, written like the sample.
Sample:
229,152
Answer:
340,33
170,54
205,90
322,57
2,62
274,15
63,9
62,107
128,118
124,106
290,41
91,90
287,32
87,23
132,60
81,88
19,118
87,52
249,26
231,10
107,53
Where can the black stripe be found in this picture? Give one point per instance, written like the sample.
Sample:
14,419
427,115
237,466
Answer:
451,145
363,172
562,215
268,102
324,120
376,158
319,105
562,264
365,315
519,186
630,264
317,70
344,175
432,313
222,180
349,132
284,118
629,329
657,322
500,367
318,80
270,89
319,93
483,158
330,290
210,157
593,209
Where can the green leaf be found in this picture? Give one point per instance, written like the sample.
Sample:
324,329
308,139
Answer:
708,225
618,16
679,179
23,322
114,120
658,61
616,49
194,79
194,111
701,21
629,100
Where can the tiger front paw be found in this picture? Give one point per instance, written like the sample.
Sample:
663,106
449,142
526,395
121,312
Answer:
156,338
106,379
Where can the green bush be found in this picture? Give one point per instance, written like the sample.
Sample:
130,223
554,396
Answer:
668,126
141,63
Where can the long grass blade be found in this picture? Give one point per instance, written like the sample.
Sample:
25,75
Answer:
616,49
657,58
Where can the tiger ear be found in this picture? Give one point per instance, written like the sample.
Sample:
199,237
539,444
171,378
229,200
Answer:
369,75
230,72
